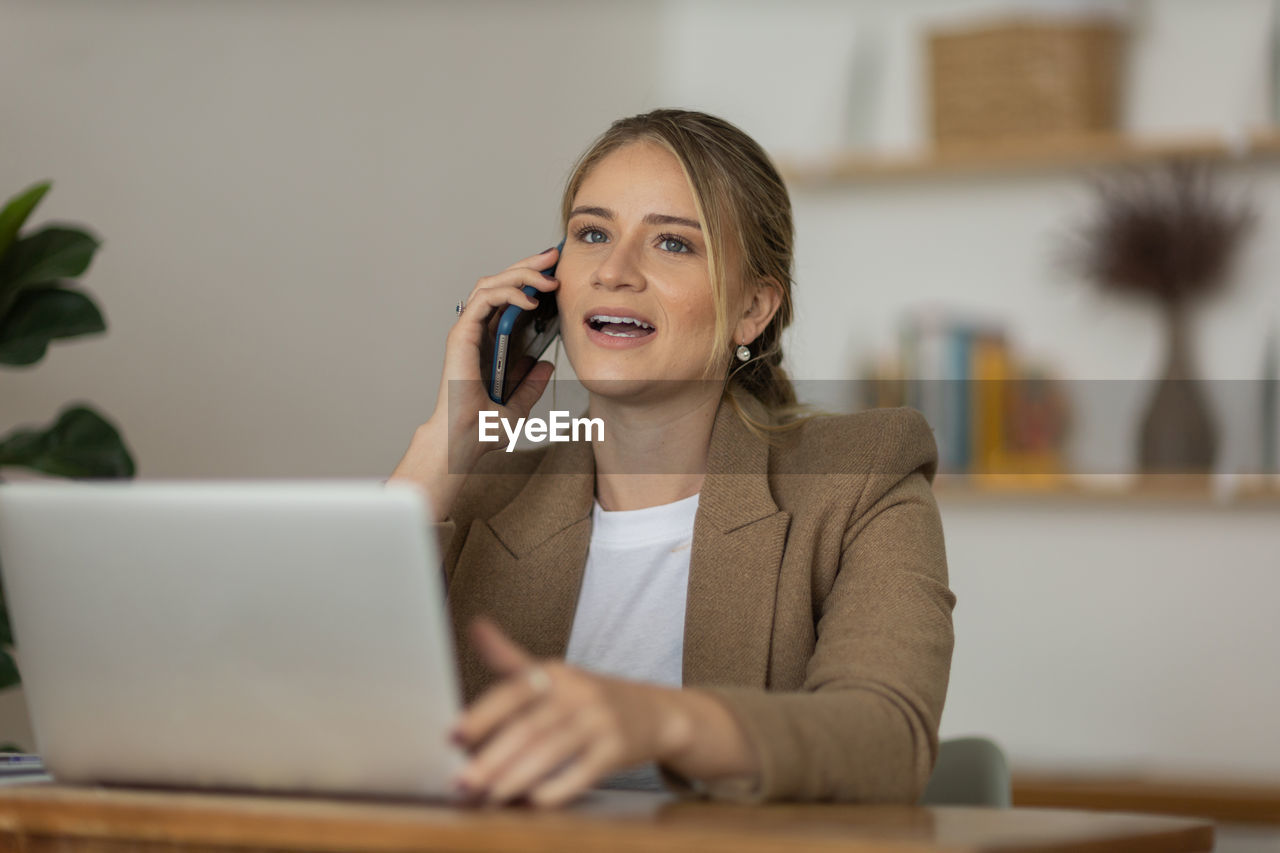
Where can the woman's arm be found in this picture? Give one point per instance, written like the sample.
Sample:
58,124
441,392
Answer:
704,740
445,448
865,725
427,463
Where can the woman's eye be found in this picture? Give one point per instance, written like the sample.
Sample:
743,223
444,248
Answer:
588,234
679,245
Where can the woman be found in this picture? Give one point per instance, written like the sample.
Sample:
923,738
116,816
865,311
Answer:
753,605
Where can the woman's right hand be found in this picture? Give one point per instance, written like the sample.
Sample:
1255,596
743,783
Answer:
462,394
448,445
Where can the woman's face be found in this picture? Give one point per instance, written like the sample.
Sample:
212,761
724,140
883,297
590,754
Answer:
636,308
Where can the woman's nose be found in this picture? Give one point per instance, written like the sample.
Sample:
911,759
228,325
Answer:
620,267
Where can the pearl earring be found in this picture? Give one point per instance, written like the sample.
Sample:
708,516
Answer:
743,353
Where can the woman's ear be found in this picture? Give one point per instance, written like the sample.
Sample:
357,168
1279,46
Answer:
762,303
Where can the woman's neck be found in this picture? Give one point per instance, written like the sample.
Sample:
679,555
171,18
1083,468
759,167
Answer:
652,454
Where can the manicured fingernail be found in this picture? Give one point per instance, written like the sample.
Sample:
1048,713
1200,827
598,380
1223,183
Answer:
548,249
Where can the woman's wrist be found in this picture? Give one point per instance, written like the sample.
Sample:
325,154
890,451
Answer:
675,729
437,464
699,738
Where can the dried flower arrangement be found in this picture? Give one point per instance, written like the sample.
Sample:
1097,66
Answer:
1166,234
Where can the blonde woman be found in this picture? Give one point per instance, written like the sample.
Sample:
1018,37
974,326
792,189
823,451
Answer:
721,596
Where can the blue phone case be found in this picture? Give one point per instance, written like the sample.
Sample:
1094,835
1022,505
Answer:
506,325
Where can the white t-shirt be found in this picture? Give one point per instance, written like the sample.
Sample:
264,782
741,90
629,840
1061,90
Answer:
630,617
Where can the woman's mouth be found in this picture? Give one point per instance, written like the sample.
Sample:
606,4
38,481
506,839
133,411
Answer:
618,326
618,330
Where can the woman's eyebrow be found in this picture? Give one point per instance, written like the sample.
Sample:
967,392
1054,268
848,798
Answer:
649,219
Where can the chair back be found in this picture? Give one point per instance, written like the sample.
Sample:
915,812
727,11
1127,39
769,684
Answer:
971,771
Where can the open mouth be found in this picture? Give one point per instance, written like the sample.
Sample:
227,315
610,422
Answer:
619,327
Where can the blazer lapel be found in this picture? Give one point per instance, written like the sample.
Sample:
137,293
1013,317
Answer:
525,563
738,540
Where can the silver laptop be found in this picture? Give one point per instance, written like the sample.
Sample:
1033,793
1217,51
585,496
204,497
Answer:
288,636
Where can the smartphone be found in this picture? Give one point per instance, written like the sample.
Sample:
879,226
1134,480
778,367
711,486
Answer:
519,338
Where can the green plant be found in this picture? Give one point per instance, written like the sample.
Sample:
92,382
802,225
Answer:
38,306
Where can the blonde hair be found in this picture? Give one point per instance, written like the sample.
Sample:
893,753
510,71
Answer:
743,204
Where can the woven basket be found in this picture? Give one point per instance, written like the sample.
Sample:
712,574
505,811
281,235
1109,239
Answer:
1025,79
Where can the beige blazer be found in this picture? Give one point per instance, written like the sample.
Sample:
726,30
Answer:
818,609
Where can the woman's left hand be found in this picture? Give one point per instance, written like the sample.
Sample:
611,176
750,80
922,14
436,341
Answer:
549,731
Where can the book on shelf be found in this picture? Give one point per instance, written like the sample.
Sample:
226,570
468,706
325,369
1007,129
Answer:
990,413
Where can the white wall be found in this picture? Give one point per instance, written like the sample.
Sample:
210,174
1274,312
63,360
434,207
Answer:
1136,637
292,195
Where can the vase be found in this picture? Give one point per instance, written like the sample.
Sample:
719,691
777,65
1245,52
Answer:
1179,435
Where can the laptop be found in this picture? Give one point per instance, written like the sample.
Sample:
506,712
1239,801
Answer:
284,636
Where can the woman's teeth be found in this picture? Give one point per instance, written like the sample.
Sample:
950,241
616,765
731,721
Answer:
619,327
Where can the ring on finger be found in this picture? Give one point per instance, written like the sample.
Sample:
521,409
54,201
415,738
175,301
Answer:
457,309
539,680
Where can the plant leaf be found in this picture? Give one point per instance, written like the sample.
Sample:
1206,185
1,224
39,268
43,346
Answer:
6,633
41,315
8,677
52,252
9,674
80,443
16,210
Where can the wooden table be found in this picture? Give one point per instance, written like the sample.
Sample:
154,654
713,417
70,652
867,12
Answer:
1211,798
64,818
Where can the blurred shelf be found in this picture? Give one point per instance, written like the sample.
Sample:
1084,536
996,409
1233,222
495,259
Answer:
1162,490
1223,800
1011,157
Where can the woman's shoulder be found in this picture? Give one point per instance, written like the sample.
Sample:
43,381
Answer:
875,441
835,469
